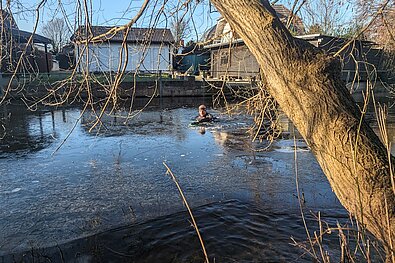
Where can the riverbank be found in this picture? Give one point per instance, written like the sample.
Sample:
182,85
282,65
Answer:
102,85
60,86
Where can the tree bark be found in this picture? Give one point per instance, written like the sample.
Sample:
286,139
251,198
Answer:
306,84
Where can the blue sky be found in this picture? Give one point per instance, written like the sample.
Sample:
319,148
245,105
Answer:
118,12
111,12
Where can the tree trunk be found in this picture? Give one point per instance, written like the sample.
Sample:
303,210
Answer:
306,84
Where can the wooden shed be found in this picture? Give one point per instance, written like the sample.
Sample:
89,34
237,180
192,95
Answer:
230,57
358,59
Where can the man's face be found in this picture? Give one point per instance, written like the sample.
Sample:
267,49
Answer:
202,111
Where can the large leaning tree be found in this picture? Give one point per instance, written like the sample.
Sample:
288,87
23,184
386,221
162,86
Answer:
306,84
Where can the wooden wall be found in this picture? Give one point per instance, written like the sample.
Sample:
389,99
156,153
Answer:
233,63
237,62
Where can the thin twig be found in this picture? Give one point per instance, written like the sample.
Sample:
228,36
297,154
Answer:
189,210
300,201
379,12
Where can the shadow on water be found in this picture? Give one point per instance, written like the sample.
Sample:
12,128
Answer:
104,195
233,231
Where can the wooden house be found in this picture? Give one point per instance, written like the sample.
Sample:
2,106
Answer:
148,50
359,59
232,60
230,57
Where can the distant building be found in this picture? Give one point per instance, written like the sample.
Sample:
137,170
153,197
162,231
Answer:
66,57
238,62
296,25
149,49
358,60
14,41
192,60
231,59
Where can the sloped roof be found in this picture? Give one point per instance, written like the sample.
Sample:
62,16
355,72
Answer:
10,26
209,33
23,37
283,14
218,31
153,35
7,20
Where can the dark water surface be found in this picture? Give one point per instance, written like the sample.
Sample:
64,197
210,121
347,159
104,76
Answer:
104,195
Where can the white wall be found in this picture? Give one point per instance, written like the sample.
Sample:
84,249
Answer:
227,34
106,57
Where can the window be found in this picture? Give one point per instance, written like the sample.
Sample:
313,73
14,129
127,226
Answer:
224,57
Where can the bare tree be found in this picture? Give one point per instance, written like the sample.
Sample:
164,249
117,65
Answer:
180,30
57,30
382,28
325,16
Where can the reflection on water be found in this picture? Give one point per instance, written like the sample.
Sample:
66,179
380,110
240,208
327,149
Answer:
113,176
22,133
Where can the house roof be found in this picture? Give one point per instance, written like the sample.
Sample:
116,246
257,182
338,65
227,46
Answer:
153,35
10,26
23,37
209,34
326,42
220,33
217,45
327,38
283,14
7,20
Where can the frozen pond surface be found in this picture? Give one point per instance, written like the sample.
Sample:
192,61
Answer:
112,181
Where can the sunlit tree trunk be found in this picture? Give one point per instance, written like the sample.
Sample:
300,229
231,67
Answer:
306,84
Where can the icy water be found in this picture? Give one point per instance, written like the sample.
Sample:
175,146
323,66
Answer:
104,196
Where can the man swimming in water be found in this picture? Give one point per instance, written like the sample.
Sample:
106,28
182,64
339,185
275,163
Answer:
204,116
